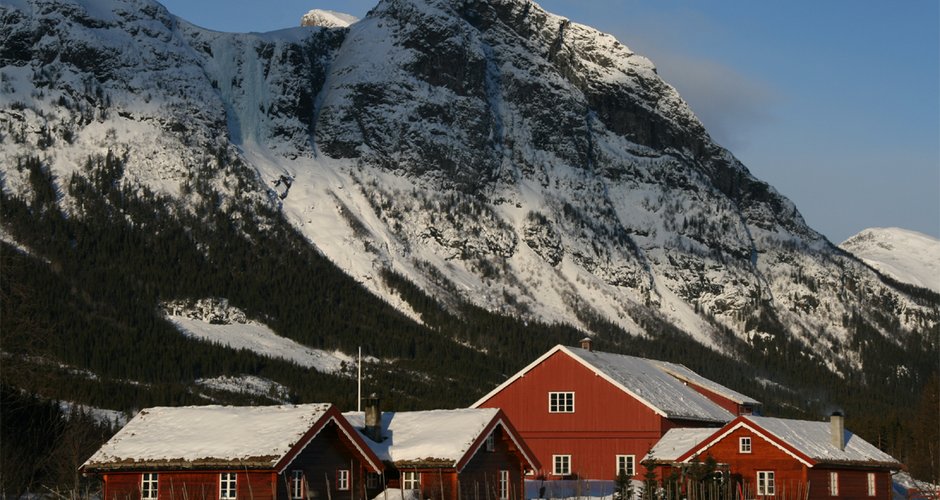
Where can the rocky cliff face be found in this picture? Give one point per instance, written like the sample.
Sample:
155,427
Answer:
487,150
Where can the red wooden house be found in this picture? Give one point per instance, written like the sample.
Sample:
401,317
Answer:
783,458
588,414
235,453
466,454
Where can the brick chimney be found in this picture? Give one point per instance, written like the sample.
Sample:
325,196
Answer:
586,344
373,420
837,429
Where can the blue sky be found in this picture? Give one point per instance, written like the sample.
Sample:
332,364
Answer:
834,103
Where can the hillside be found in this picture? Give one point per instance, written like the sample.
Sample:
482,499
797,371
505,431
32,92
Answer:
453,187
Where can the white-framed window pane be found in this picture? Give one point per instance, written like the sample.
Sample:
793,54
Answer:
297,484
561,465
227,485
833,484
504,485
765,483
871,484
561,402
491,442
342,479
149,486
410,480
744,445
627,464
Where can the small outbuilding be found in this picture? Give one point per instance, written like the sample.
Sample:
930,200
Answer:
235,453
465,454
783,458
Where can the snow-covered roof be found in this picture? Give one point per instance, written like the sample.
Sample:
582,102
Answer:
207,436
683,373
432,437
642,379
676,442
807,441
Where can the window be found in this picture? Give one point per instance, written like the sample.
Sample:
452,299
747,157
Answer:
765,483
410,480
372,480
491,442
148,486
297,484
342,479
561,465
227,483
871,484
833,484
744,445
561,402
504,485
626,463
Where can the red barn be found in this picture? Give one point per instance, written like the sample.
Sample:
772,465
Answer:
233,453
588,414
469,454
775,457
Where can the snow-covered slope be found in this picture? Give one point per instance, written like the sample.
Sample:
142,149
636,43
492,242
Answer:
489,152
907,256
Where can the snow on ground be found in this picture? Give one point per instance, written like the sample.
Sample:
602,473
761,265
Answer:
247,384
260,339
907,256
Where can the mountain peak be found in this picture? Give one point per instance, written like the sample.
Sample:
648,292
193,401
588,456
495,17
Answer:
327,19
905,255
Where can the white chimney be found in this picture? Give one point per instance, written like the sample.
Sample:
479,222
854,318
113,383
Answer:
586,344
837,428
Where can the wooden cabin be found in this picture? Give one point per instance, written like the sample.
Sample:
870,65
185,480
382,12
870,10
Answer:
782,458
235,453
464,454
588,414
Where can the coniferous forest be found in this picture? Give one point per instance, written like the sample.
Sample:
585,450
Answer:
81,324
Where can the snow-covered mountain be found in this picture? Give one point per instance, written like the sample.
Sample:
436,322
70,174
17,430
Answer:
486,150
907,256
327,19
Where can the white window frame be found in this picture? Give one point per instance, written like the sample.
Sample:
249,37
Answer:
564,460
372,480
766,483
410,480
626,463
342,479
561,402
833,484
149,486
745,444
490,442
228,485
872,484
297,484
504,485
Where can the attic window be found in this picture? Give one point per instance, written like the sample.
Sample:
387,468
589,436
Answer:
744,445
490,442
297,484
561,402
